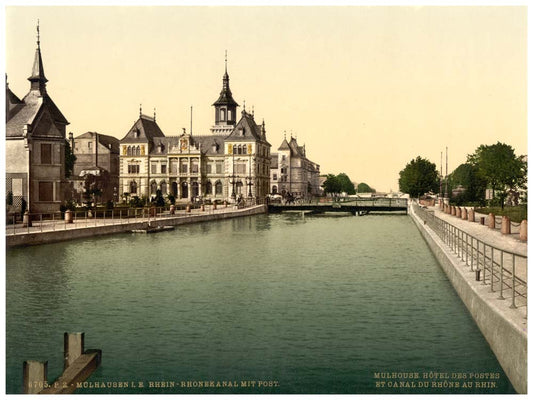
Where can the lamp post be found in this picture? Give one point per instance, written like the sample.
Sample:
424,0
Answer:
232,181
249,178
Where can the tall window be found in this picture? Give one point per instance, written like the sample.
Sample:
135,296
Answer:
46,153
219,168
153,168
153,187
208,187
133,187
46,191
194,166
223,114
218,188
163,168
163,188
128,152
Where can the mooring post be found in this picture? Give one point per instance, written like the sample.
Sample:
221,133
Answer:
73,347
34,376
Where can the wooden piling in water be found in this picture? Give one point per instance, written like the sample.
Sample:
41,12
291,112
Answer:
78,366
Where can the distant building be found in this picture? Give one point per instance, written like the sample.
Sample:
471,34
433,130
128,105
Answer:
232,162
292,172
97,155
35,145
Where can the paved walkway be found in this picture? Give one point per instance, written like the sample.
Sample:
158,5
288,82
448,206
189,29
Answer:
492,237
117,218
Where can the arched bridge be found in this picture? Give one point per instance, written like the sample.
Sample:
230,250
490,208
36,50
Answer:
354,206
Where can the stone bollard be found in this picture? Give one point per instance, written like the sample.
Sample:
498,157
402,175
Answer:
73,347
225,203
491,221
34,377
464,213
471,215
69,217
454,211
188,208
26,220
172,209
523,230
202,207
506,225
214,205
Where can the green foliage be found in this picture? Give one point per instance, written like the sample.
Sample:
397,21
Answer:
331,185
158,200
70,159
109,205
419,176
137,202
9,198
364,188
336,184
500,167
171,199
515,213
467,176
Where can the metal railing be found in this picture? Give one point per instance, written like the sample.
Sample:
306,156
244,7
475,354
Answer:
56,221
490,264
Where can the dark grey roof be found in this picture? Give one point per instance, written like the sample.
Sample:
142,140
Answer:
147,128
225,98
208,145
246,130
31,105
284,145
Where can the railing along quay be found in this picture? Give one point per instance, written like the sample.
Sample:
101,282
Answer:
490,264
50,222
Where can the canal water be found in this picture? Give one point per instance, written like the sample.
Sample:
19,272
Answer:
264,304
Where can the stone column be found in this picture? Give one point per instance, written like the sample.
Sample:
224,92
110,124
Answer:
471,215
506,225
73,347
464,213
491,221
523,230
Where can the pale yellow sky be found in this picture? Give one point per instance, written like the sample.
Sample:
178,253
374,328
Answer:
365,88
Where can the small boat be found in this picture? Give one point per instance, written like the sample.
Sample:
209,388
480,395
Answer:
154,229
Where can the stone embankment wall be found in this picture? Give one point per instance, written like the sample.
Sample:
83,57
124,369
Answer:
62,235
506,334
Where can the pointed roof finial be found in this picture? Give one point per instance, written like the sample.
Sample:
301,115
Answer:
38,35
140,109
284,135
226,62
244,105
253,112
154,114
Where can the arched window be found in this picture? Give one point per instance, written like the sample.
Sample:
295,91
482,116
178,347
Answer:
222,114
218,188
129,151
163,188
229,115
174,187
133,187
238,187
274,189
153,187
194,189
234,149
208,188
239,150
138,151
184,190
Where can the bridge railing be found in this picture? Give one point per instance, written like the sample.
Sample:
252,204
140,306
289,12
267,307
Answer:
348,201
490,264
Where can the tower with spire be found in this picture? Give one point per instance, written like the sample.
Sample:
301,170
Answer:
35,144
225,106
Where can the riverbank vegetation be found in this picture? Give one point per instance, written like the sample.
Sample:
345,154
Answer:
515,213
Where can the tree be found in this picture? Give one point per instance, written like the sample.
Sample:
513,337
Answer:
346,185
364,188
500,167
331,185
70,159
418,177
468,176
